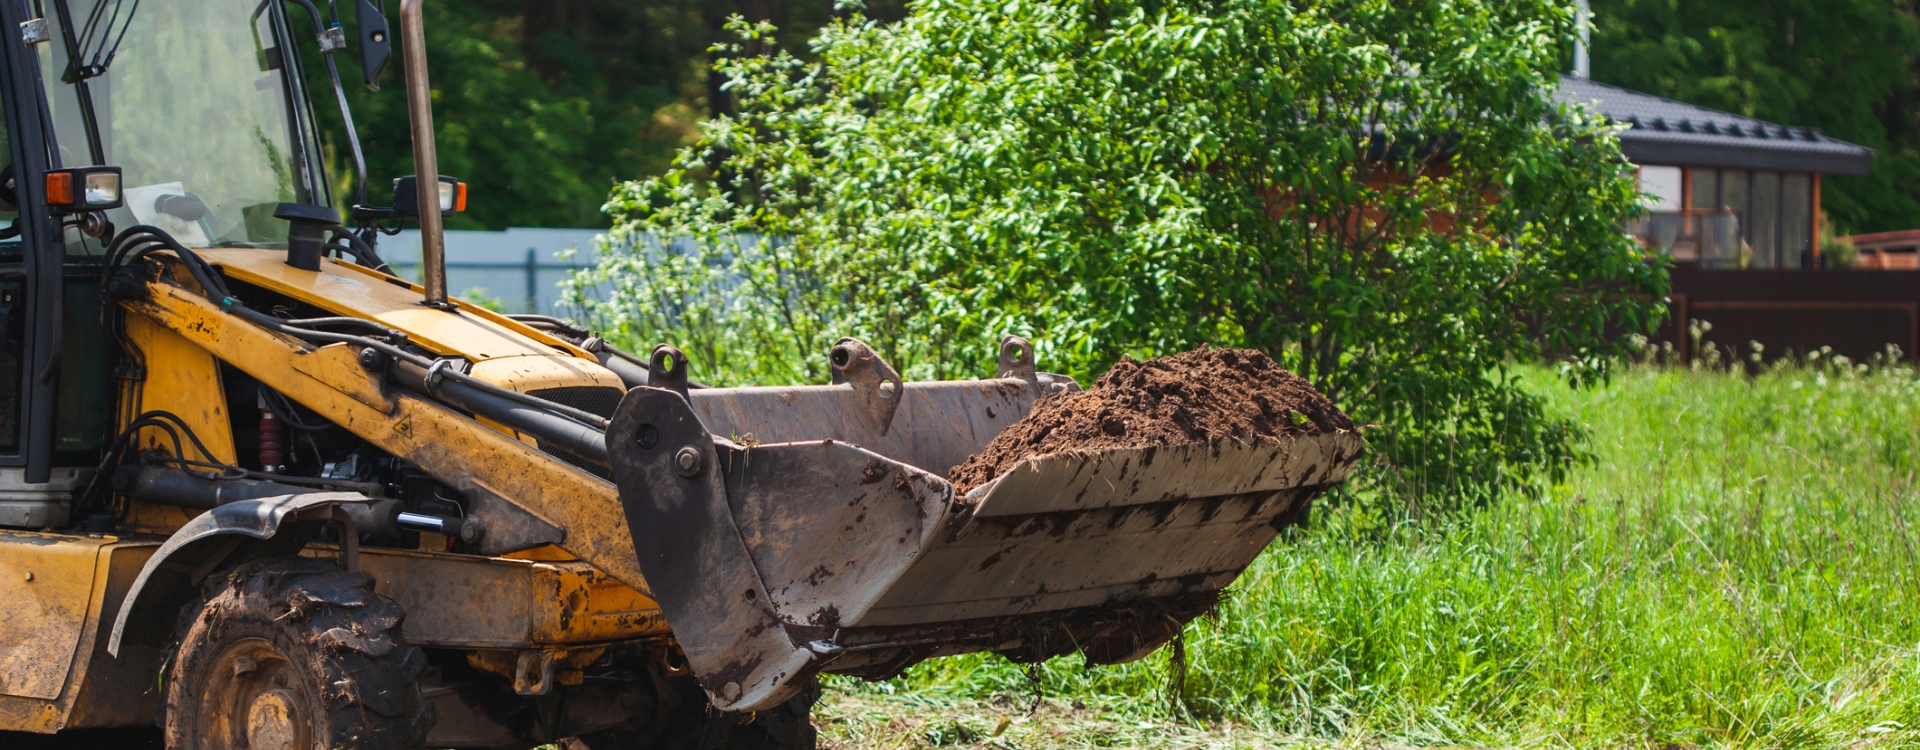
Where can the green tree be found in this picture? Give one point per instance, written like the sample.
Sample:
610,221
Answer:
1849,67
541,105
1380,195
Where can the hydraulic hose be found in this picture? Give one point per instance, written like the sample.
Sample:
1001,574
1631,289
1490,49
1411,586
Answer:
630,367
549,428
574,430
156,484
631,375
403,356
359,249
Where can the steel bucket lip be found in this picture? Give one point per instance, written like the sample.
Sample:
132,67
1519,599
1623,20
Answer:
1215,505
1348,447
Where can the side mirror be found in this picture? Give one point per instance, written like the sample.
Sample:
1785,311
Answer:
183,206
453,196
83,189
376,47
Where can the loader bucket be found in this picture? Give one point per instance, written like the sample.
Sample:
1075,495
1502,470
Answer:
790,531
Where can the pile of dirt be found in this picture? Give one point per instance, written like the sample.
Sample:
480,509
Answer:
1193,397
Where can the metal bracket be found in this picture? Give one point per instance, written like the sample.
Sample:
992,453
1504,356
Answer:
433,375
34,31
1017,361
696,564
533,673
333,40
879,387
349,537
667,368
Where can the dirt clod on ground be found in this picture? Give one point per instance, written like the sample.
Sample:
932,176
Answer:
1192,397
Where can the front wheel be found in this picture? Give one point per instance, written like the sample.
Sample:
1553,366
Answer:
293,653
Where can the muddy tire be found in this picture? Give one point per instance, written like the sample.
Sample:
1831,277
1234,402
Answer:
691,724
293,653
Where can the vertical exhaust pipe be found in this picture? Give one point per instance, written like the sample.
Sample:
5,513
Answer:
426,164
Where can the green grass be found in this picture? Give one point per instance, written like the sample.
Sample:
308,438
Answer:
1735,568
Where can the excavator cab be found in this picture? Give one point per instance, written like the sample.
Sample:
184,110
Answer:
258,490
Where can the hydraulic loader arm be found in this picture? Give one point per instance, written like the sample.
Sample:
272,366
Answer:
522,496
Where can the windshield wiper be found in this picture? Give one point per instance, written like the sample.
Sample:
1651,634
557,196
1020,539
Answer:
333,39
90,53
98,35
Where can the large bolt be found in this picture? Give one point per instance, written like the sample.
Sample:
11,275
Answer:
472,531
373,360
688,461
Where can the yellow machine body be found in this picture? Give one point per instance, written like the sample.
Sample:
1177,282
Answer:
62,590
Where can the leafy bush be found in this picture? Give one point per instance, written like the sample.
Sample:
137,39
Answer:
1382,196
1836,249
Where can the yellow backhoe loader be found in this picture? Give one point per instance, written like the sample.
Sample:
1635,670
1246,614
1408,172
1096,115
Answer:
259,491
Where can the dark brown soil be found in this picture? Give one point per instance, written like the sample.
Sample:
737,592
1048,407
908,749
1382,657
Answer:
1193,397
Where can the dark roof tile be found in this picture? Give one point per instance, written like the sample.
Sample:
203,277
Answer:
1664,131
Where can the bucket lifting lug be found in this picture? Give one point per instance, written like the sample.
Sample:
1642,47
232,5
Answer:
667,369
878,385
1016,361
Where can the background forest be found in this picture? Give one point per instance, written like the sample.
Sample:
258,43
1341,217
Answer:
544,104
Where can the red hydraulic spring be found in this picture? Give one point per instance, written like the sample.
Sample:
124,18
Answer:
272,438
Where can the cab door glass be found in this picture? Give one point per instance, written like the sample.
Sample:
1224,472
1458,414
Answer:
199,110
13,299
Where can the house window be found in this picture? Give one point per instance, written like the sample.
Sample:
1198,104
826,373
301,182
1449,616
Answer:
1663,184
1706,189
1733,199
1763,229
1773,212
1796,218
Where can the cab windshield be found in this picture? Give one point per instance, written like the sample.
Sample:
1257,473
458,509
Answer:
201,105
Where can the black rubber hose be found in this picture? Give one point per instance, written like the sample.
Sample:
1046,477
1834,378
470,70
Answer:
400,355
167,486
549,428
631,375
139,240
551,324
360,322
281,326
361,251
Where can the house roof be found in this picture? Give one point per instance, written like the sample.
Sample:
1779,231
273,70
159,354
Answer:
1664,131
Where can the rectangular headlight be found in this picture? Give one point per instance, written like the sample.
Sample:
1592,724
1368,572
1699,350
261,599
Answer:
83,189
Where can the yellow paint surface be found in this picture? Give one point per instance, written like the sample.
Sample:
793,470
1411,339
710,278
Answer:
46,581
441,441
